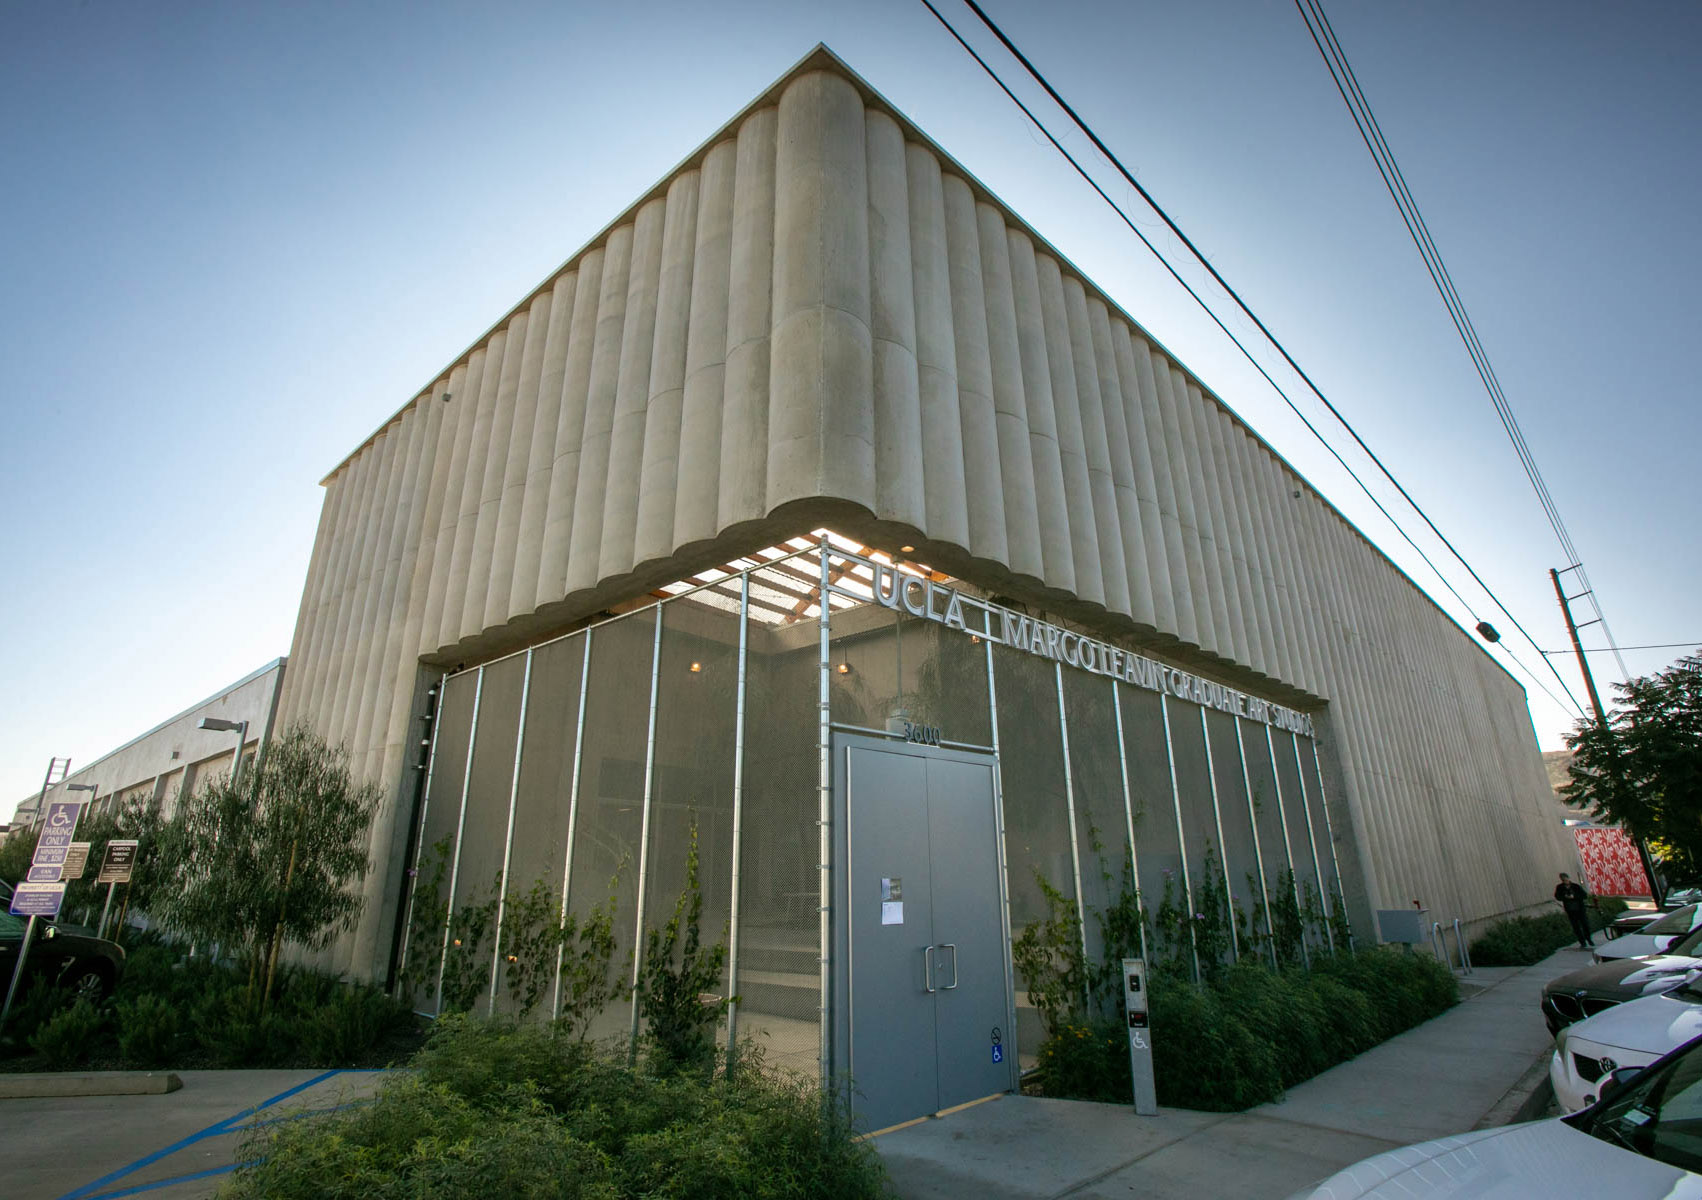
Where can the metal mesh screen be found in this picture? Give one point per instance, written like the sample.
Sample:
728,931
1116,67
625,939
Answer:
779,968
1240,862
1266,818
542,814
1194,796
1157,849
1299,836
438,826
1096,775
611,790
692,779
1320,824
1037,829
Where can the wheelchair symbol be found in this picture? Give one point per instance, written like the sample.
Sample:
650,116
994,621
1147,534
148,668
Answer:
1137,1039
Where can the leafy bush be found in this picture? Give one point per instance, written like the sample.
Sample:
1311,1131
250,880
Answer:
1522,941
149,1030
348,1026
229,1027
1240,1039
575,1122
678,971
67,1038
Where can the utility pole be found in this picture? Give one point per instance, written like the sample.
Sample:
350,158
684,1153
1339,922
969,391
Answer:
1596,704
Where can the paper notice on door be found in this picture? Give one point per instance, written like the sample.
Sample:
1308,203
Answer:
892,900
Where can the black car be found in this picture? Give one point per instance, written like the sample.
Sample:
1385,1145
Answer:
84,965
1588,990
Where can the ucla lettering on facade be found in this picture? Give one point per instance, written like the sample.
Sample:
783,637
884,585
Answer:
920,596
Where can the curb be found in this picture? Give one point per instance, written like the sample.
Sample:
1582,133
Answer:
88,1083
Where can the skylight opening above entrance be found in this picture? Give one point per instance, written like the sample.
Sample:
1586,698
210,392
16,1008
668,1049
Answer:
786,578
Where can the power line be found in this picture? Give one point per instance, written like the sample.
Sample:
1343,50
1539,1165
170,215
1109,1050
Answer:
1697,642
1104,150
1371,133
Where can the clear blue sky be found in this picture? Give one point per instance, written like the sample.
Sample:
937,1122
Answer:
238,236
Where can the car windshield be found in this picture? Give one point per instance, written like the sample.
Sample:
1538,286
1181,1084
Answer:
1658,1116
1678,921
1690,944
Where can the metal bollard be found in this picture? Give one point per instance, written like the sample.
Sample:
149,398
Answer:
1465,955
1437,944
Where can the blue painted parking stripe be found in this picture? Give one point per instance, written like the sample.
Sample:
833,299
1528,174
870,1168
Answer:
88,1190
175,1179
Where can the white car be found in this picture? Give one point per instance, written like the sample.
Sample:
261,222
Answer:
1655,937
1633,1034
1643,1142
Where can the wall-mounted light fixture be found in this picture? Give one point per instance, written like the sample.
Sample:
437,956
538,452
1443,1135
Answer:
907,549
843,668
696,667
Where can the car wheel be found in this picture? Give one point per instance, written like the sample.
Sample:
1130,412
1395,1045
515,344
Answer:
87,982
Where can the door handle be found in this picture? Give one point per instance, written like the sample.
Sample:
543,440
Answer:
953,948
927,968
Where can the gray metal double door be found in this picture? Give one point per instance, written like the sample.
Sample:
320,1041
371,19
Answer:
929,1002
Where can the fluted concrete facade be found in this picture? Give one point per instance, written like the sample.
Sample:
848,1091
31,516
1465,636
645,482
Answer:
821,319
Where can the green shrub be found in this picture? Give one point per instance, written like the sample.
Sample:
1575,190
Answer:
350,1025
149,1030
1242,1037
1087,1062
67,1038
1204,1057
229,1027
33,1008
422,1140
574,1121
1522,941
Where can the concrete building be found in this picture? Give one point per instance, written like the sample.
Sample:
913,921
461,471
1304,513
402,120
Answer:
154,768
821,507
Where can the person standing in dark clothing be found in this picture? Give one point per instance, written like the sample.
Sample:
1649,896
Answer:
1572,898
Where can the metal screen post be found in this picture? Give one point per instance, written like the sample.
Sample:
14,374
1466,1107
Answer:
435,695
644,830
1222,850
1128,812
1181,838
508,838
460,828
1330,833
824,813
572,819
738,819
1312,840
1075,846
1004,863
1287,847
1258,850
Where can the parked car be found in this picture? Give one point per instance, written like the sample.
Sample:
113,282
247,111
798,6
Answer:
1634,920
1633,1034
1595,988
84,965
1657,937
1641,1142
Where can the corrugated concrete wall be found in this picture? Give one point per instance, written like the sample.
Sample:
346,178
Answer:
821,319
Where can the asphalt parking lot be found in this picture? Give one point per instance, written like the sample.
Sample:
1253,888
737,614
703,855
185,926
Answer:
173,1147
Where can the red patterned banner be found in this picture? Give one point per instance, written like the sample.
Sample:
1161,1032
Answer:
1611,865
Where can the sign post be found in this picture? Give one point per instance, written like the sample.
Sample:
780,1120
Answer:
44,891
1140,1037
115,869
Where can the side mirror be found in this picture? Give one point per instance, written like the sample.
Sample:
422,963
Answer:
52,931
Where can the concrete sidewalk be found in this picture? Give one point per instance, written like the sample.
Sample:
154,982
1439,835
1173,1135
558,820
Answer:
1471,1067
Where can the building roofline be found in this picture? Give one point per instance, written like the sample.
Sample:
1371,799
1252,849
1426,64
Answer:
275,664
822,57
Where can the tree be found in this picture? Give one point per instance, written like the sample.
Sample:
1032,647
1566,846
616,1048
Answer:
268,859
1644,770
